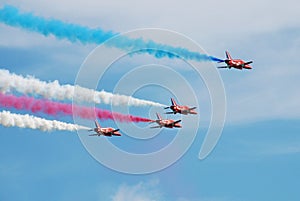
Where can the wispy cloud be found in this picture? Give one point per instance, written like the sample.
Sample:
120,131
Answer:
269,91
280,149
143,191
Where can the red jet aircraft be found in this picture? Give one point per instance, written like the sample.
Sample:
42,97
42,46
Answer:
235,63
180,109
109,132
168,123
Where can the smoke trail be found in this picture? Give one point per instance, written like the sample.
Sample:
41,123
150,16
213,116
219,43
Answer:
56,109
8,119
53,90
10,15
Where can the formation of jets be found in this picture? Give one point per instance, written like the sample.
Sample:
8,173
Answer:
185,110
167,123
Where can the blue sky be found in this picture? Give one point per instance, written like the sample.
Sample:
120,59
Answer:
257,156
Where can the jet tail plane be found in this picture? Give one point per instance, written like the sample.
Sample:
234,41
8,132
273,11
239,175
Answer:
228,55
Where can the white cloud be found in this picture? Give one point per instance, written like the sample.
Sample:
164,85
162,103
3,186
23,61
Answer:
139,192
150,191
279,149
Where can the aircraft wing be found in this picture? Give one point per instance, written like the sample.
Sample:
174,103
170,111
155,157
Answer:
249,62
177,121
192,108
223,67
113,132
93,134
246,63
156,127
169,113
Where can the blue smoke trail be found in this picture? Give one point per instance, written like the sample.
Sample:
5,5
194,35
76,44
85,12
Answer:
10,15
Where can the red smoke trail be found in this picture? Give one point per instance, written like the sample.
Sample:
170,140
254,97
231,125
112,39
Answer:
55,108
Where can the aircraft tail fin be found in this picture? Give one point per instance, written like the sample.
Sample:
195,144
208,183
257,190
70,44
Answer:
173,102
228,55
97,124
158,116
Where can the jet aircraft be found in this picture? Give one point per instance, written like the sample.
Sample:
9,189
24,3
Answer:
168,123
109,132
180,109
235,63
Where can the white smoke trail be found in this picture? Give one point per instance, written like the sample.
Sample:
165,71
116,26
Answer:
8,119
53,90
